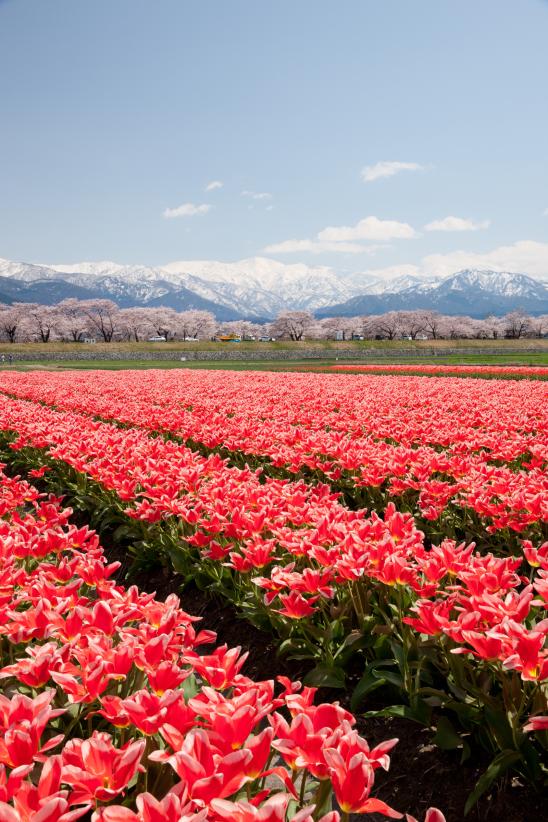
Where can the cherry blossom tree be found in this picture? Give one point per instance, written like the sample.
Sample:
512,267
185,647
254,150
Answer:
516,324
243,329
102,318
432,322
492,327
386,325
538,326
411,323
135,324
72,320
340,327
196,324
42,321
458,327
13,321
293,325
164,321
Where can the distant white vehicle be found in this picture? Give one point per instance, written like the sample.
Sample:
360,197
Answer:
191,339
157,339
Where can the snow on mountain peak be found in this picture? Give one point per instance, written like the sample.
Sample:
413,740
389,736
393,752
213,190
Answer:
263,287
502,283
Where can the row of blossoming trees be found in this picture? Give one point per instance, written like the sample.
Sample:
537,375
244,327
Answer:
75,320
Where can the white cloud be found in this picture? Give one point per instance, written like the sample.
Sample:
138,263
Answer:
186,210
370,228
545,212
456,224
213,185
387,168
257,195
522,257
313,247
348,239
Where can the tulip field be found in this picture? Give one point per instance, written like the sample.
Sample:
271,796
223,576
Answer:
494,371
390,532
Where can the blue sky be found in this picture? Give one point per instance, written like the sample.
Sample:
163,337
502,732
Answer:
117,114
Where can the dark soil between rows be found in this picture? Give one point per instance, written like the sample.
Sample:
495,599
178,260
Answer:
421,775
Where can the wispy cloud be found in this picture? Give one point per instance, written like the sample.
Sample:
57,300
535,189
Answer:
387,168
214,184
545,212
257,195
186,210
348,239
522,257
312,247
370,228
457,224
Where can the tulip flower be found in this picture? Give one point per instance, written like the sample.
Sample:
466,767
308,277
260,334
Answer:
537,723
96,769
352,778
432,815
22,723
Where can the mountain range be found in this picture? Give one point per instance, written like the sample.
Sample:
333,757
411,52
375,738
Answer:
259,288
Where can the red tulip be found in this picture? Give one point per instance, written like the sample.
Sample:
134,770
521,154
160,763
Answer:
352,779
96,769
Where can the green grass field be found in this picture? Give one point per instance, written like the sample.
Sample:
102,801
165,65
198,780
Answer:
180,348
326,354
278,365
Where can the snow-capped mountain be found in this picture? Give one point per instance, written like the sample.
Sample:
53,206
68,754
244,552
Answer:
126,285
260,288
501,283
256,287
476,293
27,272
397,284
264,285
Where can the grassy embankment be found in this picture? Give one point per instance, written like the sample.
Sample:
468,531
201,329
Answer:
533,352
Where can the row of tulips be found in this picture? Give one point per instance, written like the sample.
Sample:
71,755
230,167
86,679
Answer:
111,706
330,581
478,465
498,371
455,414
